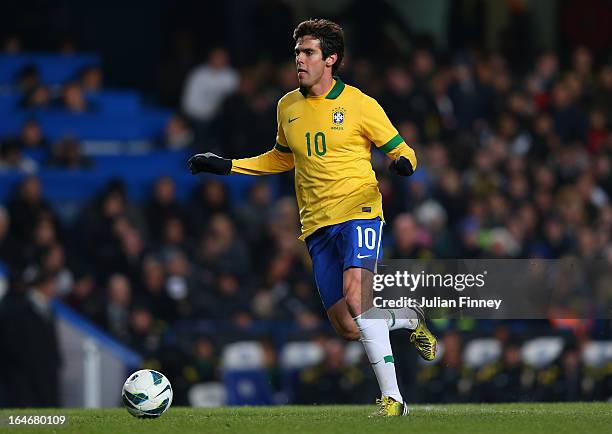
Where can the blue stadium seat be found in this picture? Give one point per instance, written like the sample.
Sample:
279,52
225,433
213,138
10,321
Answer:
10,65
9,101
53,68
145,125
115,101
244,374
139,173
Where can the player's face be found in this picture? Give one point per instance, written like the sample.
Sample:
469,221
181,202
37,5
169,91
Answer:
309,61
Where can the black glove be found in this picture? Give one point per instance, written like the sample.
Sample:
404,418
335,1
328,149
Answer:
401,166
209,162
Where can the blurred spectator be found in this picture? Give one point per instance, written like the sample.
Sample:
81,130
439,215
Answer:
221,249
91,79
153,291
116,315
331,381
210,197
202,367
181,283
32,137
12,44
37,97
144,334
598,130
177,134
66,154
247,119
111,224
30,359
174,236
28,207
8,246
253,215
410,240
228,301
28,79
12,158
53,260
73,99
84,296
162,207
471,100
207,85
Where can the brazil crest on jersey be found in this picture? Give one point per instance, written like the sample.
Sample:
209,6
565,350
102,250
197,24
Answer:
328,140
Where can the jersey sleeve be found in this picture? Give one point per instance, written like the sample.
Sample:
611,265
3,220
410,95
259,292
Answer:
377,127
278,159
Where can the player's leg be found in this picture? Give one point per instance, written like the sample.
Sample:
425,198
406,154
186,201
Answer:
362,249
327,270
374,335
360,242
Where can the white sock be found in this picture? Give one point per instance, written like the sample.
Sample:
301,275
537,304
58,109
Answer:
404,318
375,338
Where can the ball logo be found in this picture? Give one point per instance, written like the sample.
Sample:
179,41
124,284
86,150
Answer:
338,115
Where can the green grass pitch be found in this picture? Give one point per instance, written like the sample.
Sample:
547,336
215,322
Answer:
559,418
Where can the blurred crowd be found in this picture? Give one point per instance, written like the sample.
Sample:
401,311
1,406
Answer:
510,166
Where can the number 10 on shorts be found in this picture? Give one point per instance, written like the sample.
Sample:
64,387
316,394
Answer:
366,236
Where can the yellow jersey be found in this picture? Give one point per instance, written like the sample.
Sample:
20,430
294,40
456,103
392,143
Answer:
328,140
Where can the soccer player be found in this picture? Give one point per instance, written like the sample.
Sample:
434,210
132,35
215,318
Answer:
325,132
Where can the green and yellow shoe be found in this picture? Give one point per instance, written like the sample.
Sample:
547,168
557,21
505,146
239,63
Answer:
422,339
389,407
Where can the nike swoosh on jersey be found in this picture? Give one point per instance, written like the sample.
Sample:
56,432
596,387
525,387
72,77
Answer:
291,120
361,257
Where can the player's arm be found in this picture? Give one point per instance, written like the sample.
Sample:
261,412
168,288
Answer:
278,159
378,128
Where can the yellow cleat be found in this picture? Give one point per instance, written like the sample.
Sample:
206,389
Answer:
423,340
389,407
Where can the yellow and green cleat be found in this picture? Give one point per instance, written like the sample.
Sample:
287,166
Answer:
422,339
389,407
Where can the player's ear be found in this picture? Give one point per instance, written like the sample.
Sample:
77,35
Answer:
331,59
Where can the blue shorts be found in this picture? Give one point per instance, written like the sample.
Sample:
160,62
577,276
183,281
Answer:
333,249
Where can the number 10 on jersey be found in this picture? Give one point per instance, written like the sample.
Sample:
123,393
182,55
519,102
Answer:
320,147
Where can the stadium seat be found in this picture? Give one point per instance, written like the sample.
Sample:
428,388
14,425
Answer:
143,125
115,101
354,352
294,357
207,395
52,68
9,101
244,374
597,353
480,352
542,351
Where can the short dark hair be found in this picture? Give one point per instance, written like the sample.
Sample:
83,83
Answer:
329,34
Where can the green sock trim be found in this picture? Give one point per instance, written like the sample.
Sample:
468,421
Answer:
392,316
389,359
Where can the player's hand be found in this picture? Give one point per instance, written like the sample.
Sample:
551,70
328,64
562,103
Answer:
401,166
211,163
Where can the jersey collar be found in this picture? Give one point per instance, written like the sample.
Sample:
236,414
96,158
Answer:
336,89
333,93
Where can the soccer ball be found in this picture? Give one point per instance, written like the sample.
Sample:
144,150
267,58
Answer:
147,393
